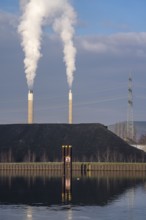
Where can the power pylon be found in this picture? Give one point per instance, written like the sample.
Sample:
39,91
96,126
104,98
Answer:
130,124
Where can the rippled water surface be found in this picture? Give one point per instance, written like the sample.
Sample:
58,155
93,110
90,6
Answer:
38,196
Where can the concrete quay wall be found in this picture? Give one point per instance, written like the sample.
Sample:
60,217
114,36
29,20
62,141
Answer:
76,166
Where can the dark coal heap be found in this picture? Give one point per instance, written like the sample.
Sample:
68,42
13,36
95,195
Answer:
43,142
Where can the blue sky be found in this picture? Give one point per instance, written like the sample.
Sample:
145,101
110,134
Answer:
111,43
103,16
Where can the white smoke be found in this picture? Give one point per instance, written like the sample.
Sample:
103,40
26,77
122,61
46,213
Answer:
64,26
23,3
62,16
31,31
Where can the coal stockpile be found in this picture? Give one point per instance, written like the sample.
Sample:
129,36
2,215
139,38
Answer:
43,142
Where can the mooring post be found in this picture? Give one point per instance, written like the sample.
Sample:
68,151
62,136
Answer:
67,173
63,159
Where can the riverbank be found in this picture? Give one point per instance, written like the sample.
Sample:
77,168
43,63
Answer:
76,166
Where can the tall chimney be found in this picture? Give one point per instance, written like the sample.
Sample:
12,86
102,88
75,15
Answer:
70,107
30,107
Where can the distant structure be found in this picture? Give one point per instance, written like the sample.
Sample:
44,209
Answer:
119,129
130,136
70,108
126,129
30,107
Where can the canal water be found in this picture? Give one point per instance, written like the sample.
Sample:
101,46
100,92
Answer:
95,196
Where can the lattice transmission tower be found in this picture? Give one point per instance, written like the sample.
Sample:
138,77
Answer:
130,134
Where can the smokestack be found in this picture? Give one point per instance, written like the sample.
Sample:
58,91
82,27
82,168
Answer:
30,107
70,107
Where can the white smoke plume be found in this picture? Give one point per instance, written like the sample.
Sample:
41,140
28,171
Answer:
30,31
23,3
65,27
62,16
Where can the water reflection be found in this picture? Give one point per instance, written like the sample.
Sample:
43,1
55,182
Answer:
131,197
66,189
47,189
29,213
